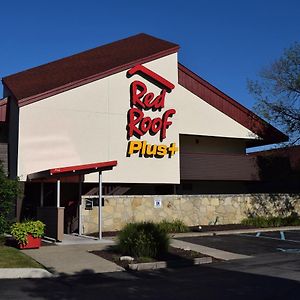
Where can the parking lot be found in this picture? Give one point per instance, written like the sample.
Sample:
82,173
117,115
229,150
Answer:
252,243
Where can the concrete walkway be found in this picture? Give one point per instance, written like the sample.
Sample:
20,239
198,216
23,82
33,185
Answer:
72,259
72,256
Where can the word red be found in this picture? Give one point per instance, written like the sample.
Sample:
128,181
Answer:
138,123
140,99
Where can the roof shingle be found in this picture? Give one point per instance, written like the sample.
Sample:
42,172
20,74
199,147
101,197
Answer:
92,64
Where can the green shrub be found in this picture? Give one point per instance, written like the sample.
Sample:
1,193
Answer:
20,230
173,226
9,190
142,239
291,220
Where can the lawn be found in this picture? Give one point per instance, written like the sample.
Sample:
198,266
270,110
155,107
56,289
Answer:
14,258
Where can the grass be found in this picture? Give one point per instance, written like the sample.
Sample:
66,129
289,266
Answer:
14,258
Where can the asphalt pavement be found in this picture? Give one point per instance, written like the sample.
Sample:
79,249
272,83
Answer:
201,282
252,244
272,272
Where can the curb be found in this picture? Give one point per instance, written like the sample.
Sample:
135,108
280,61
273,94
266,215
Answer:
16,273
213,252
233,231
169,264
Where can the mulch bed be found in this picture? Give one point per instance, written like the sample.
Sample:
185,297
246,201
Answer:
208,228
174,254
204,228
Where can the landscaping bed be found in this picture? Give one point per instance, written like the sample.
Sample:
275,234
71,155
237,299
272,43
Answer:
204,228
175,257
208,228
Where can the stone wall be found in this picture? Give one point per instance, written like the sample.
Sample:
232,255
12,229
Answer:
192,210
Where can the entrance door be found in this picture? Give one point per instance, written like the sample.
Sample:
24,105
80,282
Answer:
71,217
70,201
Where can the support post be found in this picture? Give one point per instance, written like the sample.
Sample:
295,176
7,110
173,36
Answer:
42,194
100,206
80,208
58,193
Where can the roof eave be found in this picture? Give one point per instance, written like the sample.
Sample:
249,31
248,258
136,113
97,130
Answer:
75,84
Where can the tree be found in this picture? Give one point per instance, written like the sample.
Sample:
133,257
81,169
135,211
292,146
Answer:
277,92
9,190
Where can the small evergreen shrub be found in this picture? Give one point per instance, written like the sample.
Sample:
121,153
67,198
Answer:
9,190
292,220
173,226
142,239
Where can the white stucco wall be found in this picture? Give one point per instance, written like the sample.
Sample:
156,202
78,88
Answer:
88,124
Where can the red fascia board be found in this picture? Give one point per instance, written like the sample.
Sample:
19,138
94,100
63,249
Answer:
71,171
88,167
230,107
75,84
3,109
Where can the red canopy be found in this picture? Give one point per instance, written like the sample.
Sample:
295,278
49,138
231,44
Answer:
72,171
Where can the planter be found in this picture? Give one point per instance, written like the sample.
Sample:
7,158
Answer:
32,243
28,234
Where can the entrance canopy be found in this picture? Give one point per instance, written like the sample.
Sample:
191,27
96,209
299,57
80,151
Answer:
71,171
57,174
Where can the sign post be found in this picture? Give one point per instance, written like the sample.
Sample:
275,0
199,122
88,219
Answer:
100,206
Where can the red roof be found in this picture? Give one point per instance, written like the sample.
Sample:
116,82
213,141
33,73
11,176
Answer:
71,171
55,77
64,74
230,107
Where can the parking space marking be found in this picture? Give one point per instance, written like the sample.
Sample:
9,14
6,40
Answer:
289,250
270,238
282,236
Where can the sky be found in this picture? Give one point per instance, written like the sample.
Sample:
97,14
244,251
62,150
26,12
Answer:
225,42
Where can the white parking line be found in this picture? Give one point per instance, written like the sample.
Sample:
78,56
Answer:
270,238
282,236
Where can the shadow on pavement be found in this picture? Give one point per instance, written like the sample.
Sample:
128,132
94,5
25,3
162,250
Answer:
187,283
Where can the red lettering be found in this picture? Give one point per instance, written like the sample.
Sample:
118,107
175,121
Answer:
145,124
156,125
134,117
138,123
147,100
160,100
140,97
135,87
165,123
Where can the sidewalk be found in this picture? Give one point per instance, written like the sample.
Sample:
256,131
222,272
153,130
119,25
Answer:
13,273
72,259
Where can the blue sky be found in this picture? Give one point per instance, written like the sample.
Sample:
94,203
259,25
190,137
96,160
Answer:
225,42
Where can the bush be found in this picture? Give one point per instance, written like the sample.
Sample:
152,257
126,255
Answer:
291,220
9,190
173,226
142,239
